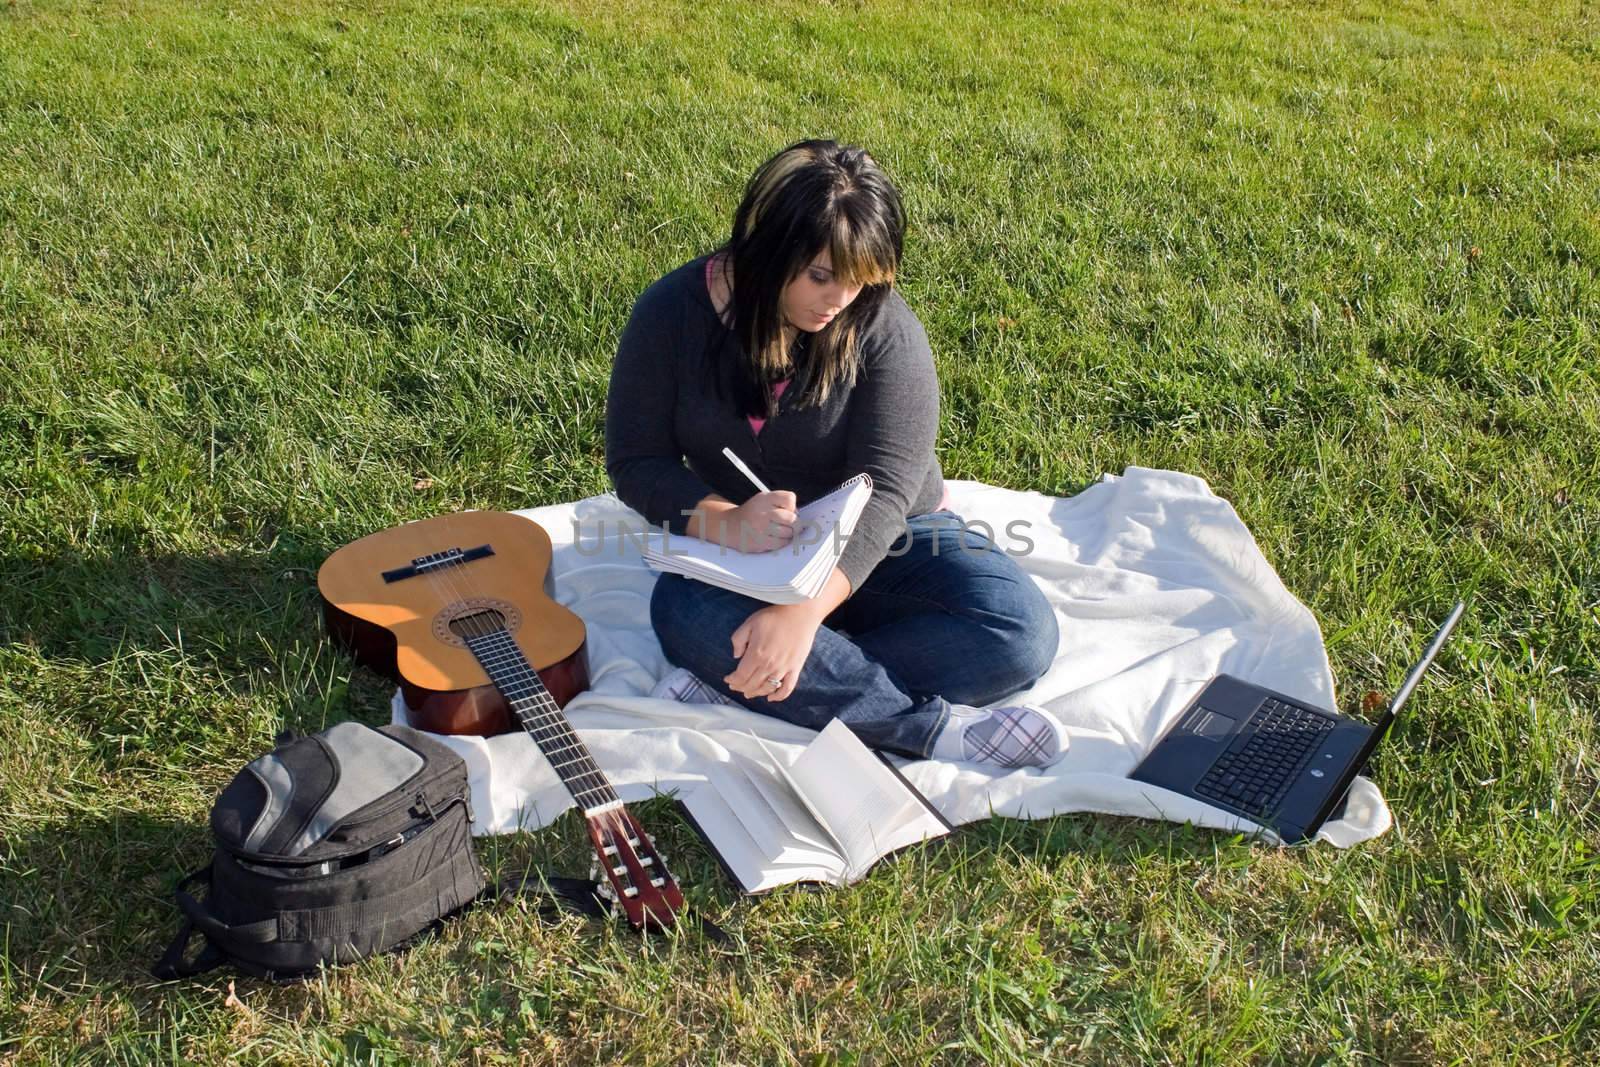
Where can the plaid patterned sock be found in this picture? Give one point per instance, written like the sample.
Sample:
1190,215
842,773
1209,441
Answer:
1022,735
684,686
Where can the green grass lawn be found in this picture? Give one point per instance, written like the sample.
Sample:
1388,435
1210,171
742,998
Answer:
274,276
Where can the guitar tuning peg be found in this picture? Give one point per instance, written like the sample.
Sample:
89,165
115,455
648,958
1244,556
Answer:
602,885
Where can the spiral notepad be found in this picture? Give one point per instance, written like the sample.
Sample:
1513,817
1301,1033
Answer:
787,575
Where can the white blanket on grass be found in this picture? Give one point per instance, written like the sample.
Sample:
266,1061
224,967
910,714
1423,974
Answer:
1155,581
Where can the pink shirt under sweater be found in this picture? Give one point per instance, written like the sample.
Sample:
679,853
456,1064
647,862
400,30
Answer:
777,394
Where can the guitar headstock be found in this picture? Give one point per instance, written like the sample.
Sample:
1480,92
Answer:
637,874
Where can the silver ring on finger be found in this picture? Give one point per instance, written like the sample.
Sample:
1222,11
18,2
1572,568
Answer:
775,683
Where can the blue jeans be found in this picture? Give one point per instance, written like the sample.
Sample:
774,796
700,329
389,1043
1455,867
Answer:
945,616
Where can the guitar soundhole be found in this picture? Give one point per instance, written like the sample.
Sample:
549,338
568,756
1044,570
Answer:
473,616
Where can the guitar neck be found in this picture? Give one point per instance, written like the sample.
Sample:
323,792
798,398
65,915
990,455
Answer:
543,718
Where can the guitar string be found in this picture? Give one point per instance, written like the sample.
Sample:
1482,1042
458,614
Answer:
617,822
501,656
550,720
494,655
476,628
548,724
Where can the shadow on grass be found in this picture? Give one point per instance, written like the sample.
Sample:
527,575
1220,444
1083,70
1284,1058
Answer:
93,607
167,654
1107,843
89,904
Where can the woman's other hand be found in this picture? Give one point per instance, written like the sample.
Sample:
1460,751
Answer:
773,643
766,521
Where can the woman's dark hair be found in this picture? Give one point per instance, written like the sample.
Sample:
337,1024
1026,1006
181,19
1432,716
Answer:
813,195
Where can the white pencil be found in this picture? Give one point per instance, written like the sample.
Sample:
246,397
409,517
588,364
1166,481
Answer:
746,471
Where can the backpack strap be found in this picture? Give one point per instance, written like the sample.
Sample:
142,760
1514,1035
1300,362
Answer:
554,895
172,965
405,907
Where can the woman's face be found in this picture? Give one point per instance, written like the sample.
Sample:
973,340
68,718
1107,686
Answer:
815,296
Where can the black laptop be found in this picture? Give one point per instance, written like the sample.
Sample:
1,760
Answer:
1276,761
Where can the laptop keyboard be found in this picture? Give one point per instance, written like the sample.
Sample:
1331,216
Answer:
1255,777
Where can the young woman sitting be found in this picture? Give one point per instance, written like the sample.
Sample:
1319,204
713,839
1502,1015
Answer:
790,345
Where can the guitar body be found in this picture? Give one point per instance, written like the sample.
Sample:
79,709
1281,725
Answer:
401,629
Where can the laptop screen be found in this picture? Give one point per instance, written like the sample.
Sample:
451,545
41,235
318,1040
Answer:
1404,693
1337,796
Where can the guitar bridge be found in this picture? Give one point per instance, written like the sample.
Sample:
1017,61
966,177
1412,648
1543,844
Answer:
450,557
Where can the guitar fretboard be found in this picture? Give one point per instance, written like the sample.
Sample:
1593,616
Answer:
542,717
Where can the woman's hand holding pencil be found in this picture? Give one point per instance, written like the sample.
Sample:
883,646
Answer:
766,520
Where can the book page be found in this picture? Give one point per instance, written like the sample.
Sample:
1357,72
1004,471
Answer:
858,799
794,787
766,826
723,831
796,819
923,827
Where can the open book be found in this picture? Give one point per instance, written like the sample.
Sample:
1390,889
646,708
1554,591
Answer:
828,818
787,575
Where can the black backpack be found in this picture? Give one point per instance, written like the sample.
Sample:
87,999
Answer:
341,844
330,848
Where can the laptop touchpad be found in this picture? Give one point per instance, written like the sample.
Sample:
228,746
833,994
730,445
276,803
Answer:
1212,725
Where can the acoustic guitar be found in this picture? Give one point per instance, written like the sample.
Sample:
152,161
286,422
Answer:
458,610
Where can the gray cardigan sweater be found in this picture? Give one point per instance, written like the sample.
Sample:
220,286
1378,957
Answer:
666,426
